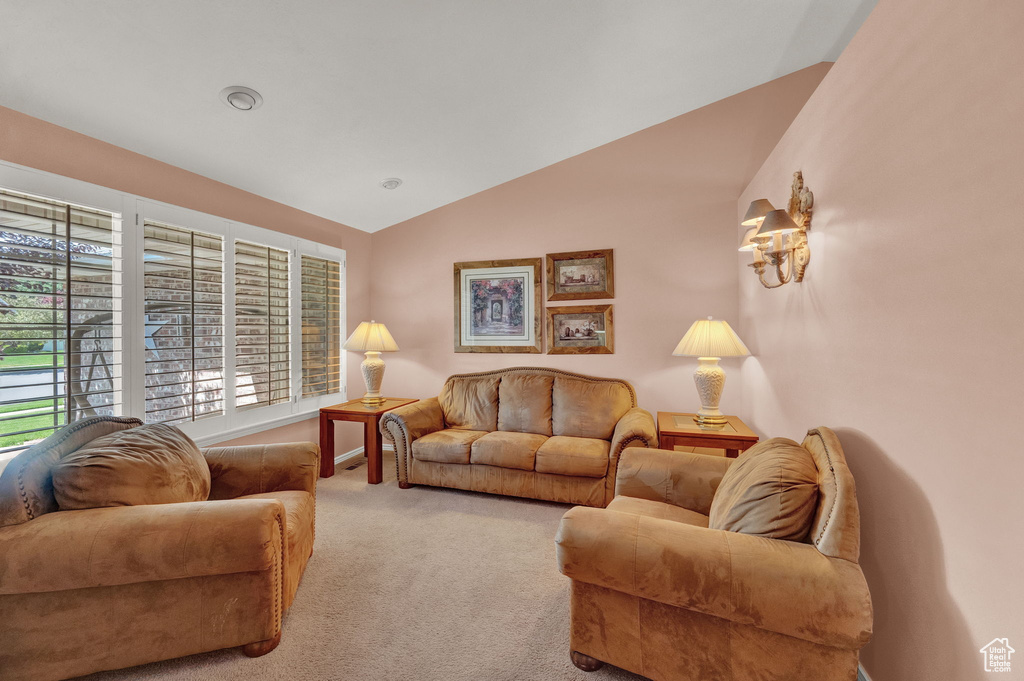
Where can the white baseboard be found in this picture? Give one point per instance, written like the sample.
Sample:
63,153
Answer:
862,675
346,459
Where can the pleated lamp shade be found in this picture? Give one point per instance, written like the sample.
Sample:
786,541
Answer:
777,222
371,337
758,209
711,338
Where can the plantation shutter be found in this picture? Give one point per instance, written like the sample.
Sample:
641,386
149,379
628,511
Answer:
262,346
321,326
184,298
60,317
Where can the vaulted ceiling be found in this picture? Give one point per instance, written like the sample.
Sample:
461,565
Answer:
451,96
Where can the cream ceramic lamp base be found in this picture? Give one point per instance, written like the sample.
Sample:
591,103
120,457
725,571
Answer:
710,380
373,374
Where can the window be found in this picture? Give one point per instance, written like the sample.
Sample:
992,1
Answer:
60,316
321,326
184,321
124,307
262,369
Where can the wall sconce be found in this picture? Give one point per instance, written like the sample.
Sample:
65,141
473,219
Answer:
779,237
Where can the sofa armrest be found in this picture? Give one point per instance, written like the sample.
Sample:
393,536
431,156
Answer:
779,586
406,424
130,544
635,429
677,478
257,469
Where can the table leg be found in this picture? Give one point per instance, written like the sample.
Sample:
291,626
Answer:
732,453
373,444
326,446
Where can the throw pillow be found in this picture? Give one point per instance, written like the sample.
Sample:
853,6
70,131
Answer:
154,464
770,491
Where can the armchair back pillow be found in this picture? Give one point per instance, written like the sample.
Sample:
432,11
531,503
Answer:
770,491
154,464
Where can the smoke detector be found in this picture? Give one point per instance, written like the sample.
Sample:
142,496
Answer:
241,98
391,183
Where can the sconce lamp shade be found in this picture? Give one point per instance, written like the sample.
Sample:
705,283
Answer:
748,243
371,337
777,222
758,209
711,338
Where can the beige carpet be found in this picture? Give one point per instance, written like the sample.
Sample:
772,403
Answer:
416,584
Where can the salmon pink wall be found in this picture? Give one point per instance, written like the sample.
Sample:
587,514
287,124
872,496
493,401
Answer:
662,198
907,335
34,143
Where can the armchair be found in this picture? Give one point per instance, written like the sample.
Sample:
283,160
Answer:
103,588
656,592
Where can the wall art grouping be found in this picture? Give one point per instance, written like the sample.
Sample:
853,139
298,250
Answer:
498,304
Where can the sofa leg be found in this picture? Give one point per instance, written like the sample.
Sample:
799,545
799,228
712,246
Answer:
585,662
403,485
260,648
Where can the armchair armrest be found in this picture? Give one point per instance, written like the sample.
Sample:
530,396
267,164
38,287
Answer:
129,544
257,469
408,423
677,478
779,586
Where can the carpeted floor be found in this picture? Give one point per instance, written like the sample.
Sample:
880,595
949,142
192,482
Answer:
418,584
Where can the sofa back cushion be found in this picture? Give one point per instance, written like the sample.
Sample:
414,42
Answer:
26,484
470,402
524,403
154,464
770,491
588,408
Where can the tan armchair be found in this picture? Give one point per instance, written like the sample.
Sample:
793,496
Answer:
104,588
656,592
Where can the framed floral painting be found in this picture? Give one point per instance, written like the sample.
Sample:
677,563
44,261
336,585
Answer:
581,330
580,275
498,306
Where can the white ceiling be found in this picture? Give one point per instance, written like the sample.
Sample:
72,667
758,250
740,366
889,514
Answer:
452,96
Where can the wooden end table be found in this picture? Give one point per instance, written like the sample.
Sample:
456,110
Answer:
373,442
680,429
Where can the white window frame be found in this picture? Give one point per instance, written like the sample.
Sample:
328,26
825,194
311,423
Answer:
134,211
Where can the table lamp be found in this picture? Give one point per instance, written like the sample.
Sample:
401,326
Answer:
373,339
709,340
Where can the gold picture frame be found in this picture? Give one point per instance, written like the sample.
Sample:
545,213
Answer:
498,306
580,275
581,330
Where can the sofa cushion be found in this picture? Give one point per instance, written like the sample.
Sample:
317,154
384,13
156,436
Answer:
446,446
507,450
26,483
300,510
770,491
524,403
470,403
588,408
154,464
579,456
658,509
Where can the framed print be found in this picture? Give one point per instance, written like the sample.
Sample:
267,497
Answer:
581,330
497,306
580,275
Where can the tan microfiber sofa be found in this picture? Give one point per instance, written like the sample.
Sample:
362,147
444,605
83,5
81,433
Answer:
656,592
104,588
523,431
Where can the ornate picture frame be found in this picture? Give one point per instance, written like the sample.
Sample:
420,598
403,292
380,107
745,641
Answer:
498,306
581,330
580,275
